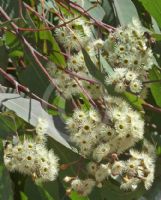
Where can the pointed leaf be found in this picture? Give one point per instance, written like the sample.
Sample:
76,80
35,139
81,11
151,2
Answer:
125,10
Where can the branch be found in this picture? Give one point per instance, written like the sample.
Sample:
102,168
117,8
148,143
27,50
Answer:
24,89
32,51
86,14
152,81
151,107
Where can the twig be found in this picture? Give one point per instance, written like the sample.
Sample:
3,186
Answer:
31,49
85,93
24,89
73,74
86,14
151,107
152,81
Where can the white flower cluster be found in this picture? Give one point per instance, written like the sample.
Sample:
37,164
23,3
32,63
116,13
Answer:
70,87
139,168
130,173
124,79
104,136
72,37
98,138
128,53
84,127
83,187
31,156
75,34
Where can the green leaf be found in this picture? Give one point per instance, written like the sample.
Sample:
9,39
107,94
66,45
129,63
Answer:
30,110
157,36
154,193
158,151
109,17
3,56
6,192
10,7
54,51
33,191
105,65
75,196
134,100
42,191
52,189
154,8
111,191
93,70
34,78
16,53
125,10
155,26
9,124
155,87
11,41
23,196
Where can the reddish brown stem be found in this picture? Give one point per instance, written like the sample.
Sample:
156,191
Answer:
151,107
85,93
86,14
31,49
24,89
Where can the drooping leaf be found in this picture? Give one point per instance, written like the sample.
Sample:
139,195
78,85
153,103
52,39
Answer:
154,8
6,192
34,191
30,110
155,87
157,36
155,26
3,57
125,10
34,78
23,196
109,17
112,191
106,66
9,124
75,196
93,70
54,51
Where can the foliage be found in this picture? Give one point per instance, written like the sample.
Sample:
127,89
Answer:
32,58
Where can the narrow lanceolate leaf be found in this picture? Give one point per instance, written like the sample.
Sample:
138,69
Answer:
75,196
125,10
9,124
155,26
93,70
5,183
6,192
156,86
3,57
106,66
134,100
30,110
53,49
111,191
154,9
